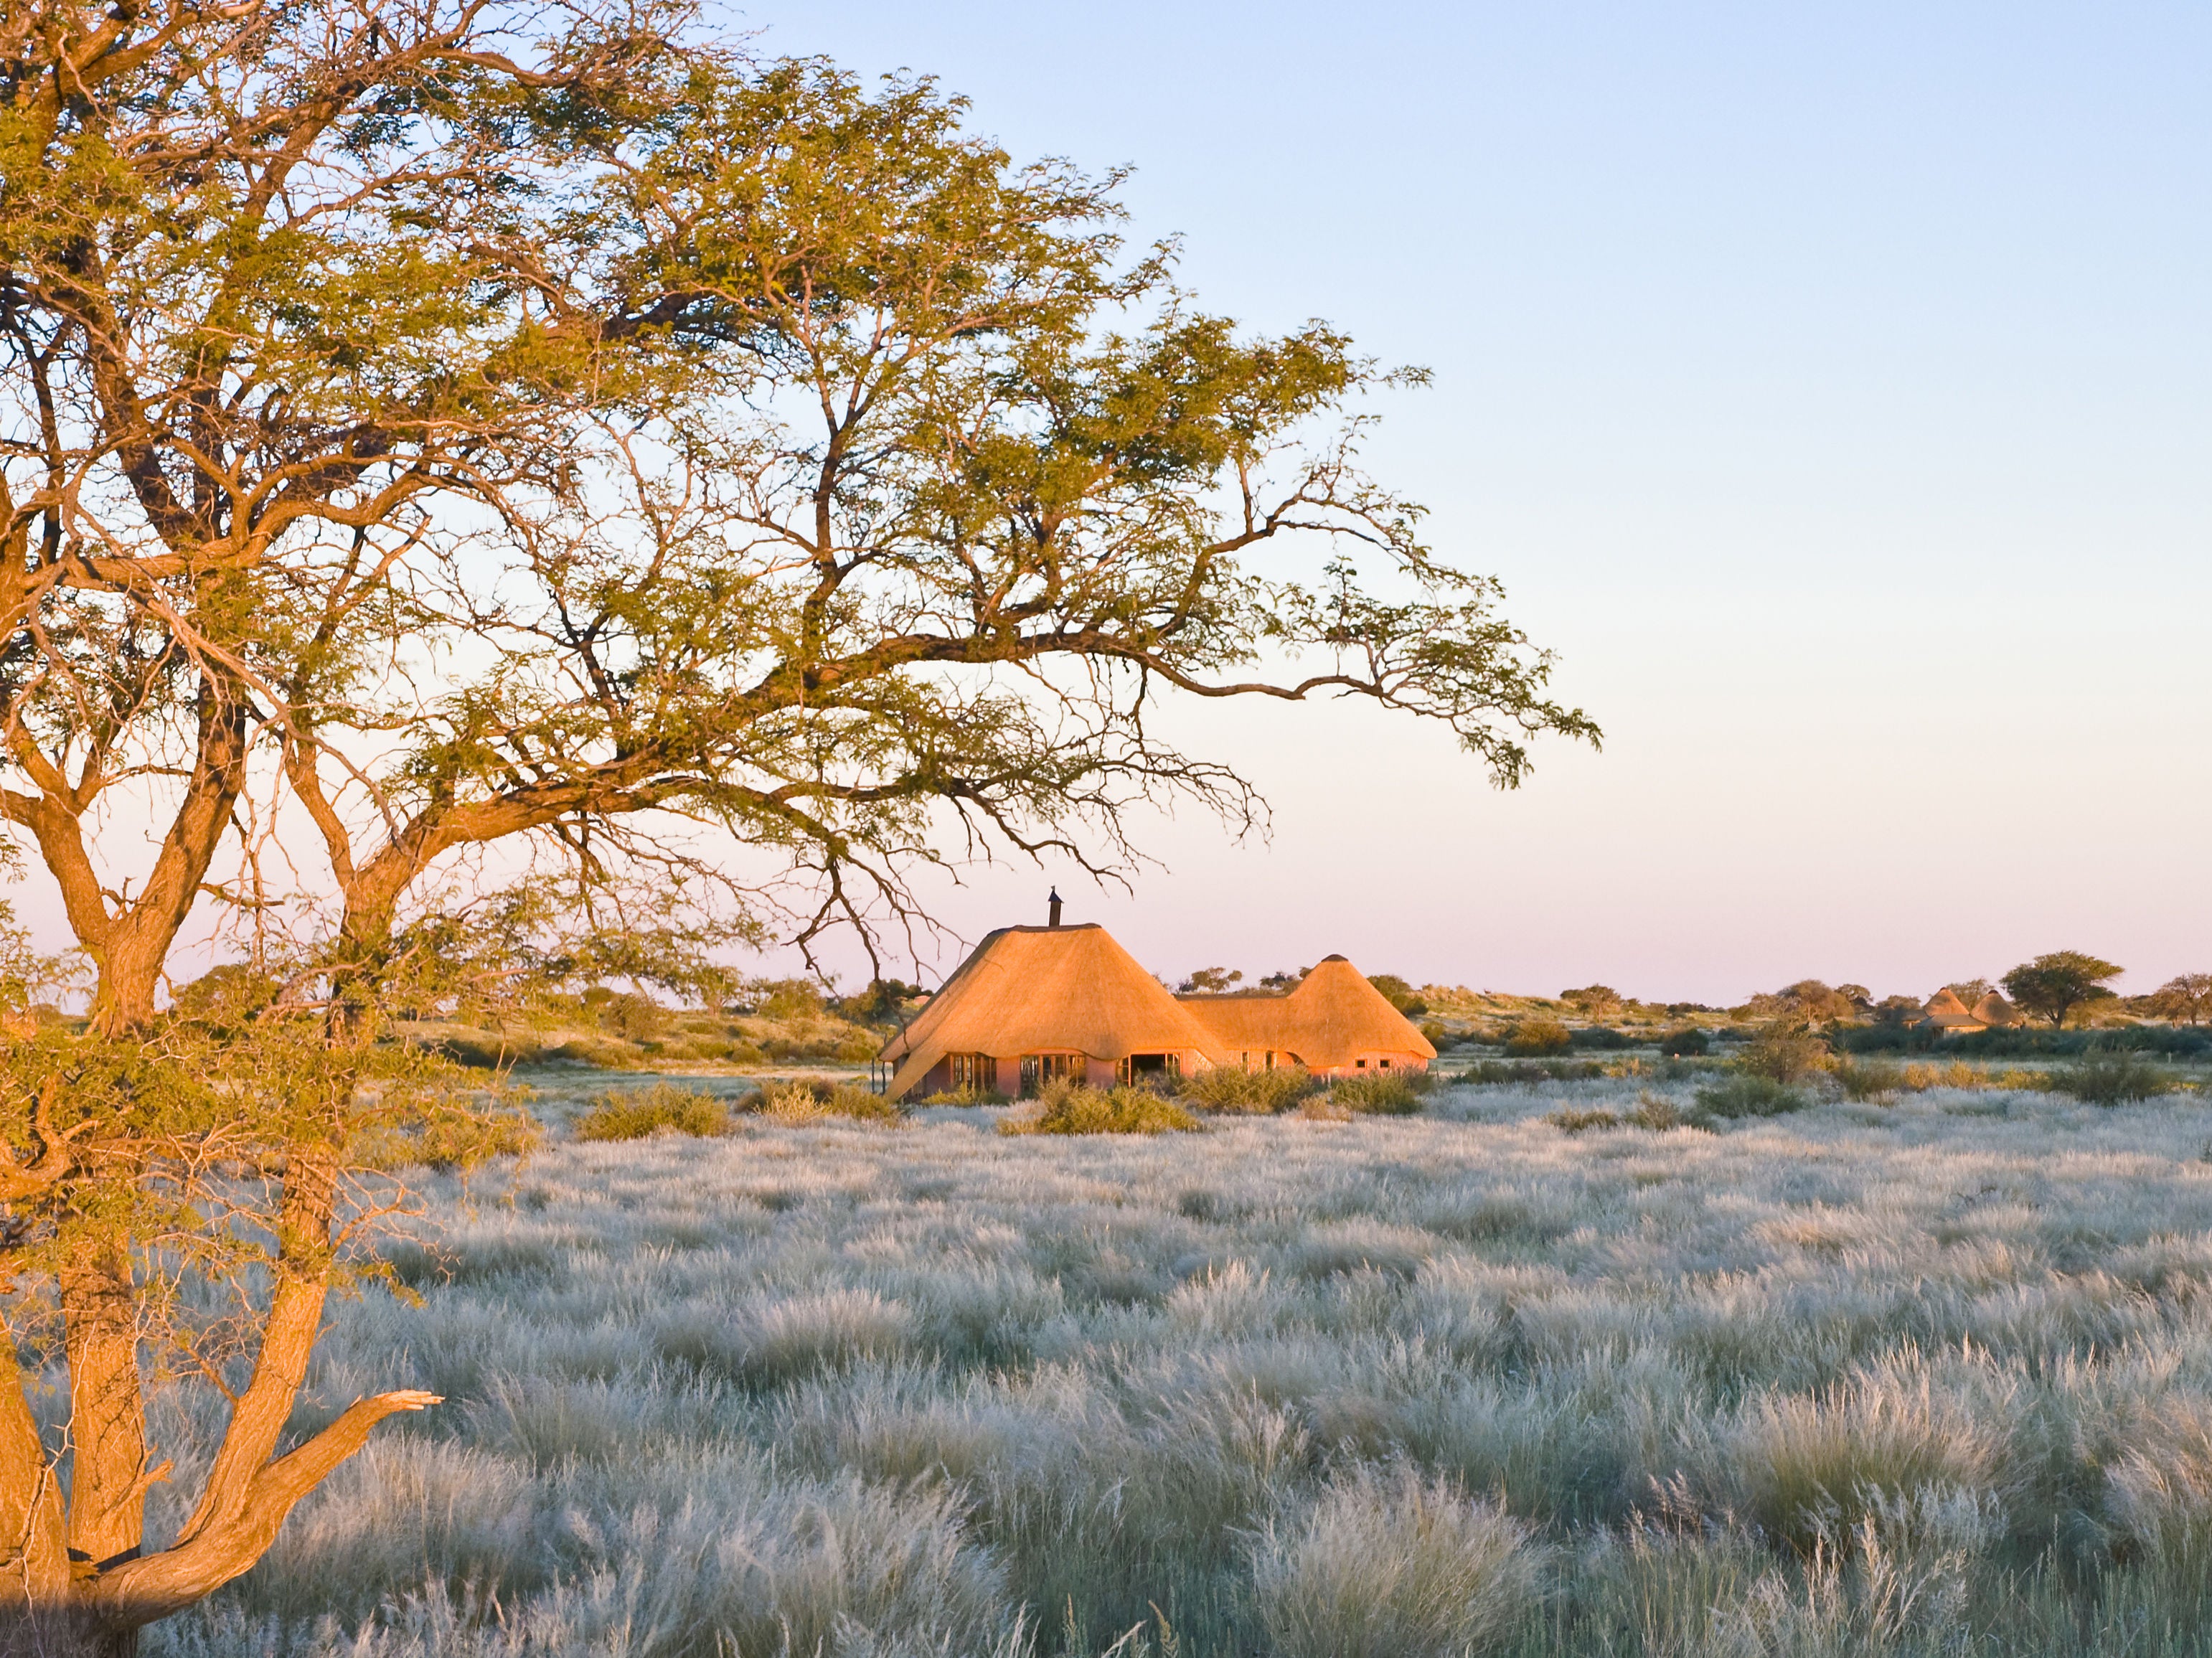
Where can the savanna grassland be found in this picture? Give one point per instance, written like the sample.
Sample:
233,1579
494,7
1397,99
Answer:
1929,1376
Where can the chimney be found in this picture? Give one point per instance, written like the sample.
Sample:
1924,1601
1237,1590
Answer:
1053,910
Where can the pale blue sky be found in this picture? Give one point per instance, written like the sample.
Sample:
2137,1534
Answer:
1827,383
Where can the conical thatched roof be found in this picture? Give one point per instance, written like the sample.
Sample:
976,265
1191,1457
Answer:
1944,1008
1333,1016
1036,989
1993,1009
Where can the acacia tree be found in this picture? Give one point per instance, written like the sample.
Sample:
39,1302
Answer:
445,423
2051,986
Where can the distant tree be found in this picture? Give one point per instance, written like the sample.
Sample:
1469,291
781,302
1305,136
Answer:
1683,1044
1286,980
2051,986
884,999
789,998
1859,996
1209,981
1807,1002
1970,991
2184,999
1896,1009
1594,1001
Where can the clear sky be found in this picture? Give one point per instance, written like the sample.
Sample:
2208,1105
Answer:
1827,383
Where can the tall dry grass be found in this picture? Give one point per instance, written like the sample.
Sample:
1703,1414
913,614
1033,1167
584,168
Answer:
1930,1376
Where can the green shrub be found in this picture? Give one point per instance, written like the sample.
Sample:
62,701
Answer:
634,1018
632,1113
2112,1080
1746,1094
1870,1080
1784,1053
1684,1044
1070,1107
1532,1038
1659,1114
813,1099
965,1097
1250,1093
1570,1121
1380,1093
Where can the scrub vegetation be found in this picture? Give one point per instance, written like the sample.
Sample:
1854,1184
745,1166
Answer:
1548,1368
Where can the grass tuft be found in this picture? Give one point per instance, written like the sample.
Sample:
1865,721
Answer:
1069,1108
1247,1093
1380,1093
1388,1565
1749,1095
635,1114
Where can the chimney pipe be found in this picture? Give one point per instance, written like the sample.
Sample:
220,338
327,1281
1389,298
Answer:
1053,910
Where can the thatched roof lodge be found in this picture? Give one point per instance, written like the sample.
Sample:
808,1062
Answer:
1033,1003
1946,1012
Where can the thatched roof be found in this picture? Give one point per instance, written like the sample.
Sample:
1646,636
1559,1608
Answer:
1945,1009
1038,989
1993,1009
1333,1016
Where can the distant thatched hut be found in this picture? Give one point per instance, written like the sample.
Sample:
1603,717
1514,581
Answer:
1334,1023
1947,1014
1032,1004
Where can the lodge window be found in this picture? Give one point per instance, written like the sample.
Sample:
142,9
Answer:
1360,1063
1039,1070
977,1070
1145,1067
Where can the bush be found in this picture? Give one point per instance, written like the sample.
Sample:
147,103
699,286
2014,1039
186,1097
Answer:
966,1097
1379,1093
633,1114
1653,1112
1388,1565
1532,1038
1869,1079
1251,1093
1786,1054
1747,1094
1684,1044
790,999
1527,1073
2112,1080
634,1018
1070,1107
1600,1036
812,1100
1568,1119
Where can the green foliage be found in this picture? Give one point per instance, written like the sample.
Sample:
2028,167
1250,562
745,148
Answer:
1784,1051
1534,1037
1869,1079
1685,1044
634,1114
1211,982
634,1017
814,1099
2112,1080
2054,985
790,999
1747,1094
1262,1093
1067,1106
965,1097
1654,1112
1380,1093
